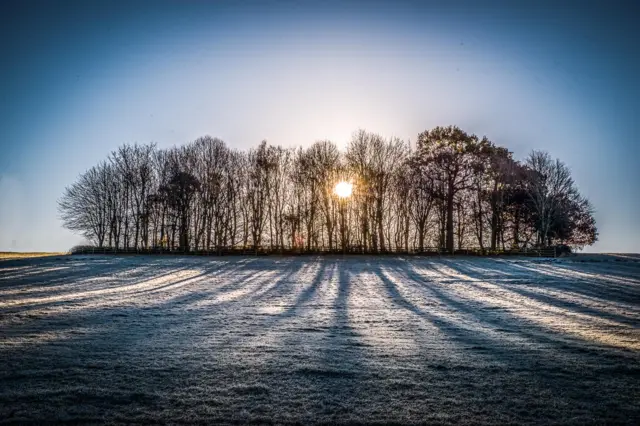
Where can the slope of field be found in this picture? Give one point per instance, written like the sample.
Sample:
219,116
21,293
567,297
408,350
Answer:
319,340
12,255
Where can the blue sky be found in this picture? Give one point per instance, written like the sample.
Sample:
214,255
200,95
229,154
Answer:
81,78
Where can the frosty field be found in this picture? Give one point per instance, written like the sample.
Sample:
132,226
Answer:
319,340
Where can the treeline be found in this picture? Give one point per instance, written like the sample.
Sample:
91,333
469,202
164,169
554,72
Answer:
453,190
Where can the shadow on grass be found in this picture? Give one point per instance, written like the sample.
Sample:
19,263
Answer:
479,323
203,345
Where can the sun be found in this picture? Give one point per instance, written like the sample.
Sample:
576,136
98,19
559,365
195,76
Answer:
343,189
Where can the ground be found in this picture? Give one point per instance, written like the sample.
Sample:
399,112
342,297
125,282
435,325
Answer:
8,255
99,339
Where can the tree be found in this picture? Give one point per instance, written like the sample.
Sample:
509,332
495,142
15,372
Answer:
422,193
454,156
324,161
549,189
83,206
453,191
179,193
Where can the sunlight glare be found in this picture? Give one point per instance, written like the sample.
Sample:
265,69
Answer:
343,189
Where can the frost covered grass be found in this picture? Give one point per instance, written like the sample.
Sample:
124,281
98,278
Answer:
91,339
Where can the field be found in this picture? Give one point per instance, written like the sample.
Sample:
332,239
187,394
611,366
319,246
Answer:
11,255
103,339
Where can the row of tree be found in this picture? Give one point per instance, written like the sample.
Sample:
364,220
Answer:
452,190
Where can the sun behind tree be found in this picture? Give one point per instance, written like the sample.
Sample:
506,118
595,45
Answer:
343,189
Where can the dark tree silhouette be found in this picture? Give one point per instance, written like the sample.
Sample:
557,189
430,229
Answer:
454,191
455,157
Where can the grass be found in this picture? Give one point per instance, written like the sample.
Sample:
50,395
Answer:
319,340
11,255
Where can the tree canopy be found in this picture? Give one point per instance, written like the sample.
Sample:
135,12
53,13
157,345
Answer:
453,191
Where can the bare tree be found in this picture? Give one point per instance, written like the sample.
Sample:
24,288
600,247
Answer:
205,196
549,190
454,156
324,161
83,206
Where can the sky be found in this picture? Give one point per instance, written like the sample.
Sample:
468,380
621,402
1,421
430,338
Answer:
80,78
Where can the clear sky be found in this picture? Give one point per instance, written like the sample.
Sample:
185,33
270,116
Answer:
80,78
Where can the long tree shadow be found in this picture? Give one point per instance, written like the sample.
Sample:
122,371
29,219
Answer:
330,372
531,290
178,352
218,270
607,290
78,291
282,286
180,316
516,355
610,270
572,306
49,273
74,277
484,326
257,273
116,280
613,339
309,291
343,361
572,342
101,313
111,337
326,368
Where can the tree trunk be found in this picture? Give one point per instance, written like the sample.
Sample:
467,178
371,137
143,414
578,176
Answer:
479,221
380,224
516,228
494,218
450,239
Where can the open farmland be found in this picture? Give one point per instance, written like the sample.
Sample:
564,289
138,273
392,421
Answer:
11,255
97,339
